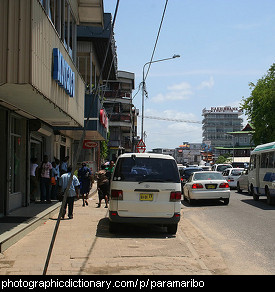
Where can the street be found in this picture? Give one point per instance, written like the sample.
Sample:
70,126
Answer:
212,239
243,231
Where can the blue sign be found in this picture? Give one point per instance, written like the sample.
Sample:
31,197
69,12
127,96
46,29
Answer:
62,73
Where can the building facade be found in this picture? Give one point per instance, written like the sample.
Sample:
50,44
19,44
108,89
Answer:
188,153
42,93
122,114
217,122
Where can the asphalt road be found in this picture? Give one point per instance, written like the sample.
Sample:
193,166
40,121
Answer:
243,231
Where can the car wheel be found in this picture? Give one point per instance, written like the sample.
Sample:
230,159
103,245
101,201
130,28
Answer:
255,196
172,228
226,201
269,199
238,188
190,201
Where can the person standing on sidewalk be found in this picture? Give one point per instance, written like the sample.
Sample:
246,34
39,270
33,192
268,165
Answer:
86,181
72,192
45,179
102,186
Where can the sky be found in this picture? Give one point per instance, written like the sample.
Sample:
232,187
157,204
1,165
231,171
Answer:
223,46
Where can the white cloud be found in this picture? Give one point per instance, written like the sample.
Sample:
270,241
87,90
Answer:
207,83
181,91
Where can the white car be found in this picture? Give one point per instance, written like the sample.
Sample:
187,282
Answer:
232,175
145,188
206,185
242,182
221,167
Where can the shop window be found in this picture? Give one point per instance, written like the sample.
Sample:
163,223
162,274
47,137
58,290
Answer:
15,152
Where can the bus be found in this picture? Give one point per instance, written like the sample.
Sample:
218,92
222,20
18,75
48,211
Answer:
261,175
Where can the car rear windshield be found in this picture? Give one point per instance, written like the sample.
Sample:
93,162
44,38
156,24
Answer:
208,176
223,167
146,169
236,172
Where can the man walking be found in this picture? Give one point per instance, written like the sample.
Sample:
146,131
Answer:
72,192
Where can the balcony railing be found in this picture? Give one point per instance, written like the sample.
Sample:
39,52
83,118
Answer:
120,118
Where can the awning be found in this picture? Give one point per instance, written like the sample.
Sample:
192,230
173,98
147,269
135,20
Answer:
91,11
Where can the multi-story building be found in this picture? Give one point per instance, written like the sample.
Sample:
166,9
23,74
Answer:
122,114
242,145
188,153
42,93
217,122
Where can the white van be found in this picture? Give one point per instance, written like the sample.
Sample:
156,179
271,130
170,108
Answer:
145,188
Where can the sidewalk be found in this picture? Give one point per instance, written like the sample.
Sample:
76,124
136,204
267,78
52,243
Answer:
84,246
24,220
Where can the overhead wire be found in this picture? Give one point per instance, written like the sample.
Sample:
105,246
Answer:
155,46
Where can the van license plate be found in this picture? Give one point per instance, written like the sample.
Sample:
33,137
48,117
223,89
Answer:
146,197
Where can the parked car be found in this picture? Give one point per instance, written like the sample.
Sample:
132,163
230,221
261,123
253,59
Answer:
145,188
242,182
206,185
232,175
221,167
185,173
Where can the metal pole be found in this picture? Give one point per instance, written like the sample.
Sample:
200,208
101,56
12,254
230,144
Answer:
143,89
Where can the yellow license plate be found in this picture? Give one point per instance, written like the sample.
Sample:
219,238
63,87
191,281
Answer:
210,186
146,197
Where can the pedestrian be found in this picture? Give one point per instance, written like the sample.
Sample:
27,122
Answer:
33,178
64,165
110,169
45,179
85,178
54,180
102,186
72,192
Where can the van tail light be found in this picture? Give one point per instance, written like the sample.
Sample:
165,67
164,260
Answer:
197,186
175,196
224,186
117,194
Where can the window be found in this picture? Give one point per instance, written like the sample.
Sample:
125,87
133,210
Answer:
252,164
61,16
16,151
263,160
270,157
146,169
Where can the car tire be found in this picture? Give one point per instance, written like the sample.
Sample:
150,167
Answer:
269,199
238,188
172,229
255,196
226,201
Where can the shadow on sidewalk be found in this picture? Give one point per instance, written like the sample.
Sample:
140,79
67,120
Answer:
131,230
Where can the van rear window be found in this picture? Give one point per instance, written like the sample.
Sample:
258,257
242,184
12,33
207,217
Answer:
146,169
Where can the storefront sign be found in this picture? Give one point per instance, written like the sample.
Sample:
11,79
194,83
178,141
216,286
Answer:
62,73
103,118
88,144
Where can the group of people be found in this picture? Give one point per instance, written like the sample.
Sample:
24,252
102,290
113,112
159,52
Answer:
54,177
46,175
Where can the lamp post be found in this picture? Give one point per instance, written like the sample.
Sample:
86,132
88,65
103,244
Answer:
143,88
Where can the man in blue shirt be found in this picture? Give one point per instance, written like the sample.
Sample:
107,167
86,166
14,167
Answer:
72,192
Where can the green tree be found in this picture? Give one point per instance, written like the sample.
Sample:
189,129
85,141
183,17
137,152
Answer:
223,159
260,108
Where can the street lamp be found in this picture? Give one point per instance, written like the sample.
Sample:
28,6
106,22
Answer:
143,87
